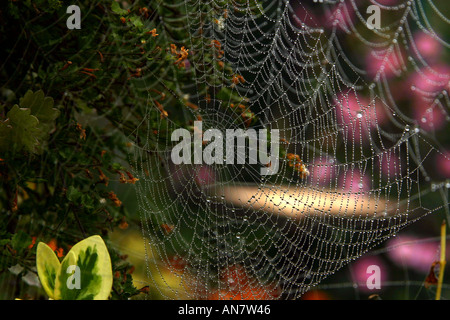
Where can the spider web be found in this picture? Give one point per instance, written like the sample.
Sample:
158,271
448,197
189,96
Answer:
225,231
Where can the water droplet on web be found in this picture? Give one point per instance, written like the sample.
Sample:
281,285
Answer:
359,115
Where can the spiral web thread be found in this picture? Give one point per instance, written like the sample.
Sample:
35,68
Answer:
225,231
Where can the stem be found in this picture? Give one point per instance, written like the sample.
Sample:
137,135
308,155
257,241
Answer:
442,261
79,222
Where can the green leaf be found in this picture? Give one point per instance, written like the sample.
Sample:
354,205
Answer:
115,7
42,108
136,21
73,194
20,131
28,127
20,241
87,201
47,265
95,271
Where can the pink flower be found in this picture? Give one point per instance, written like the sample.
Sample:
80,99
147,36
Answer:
426,85
428,46
353,181
303,15
204,175
361,272
430,117
387,2
323,171
357,115
407,251
340,16
443,164
430,80
383,62
187,64
182,178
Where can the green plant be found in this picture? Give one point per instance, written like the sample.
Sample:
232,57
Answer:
92,273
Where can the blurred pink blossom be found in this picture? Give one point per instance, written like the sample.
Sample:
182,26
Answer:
360,272
430,80
426,85
204,175
428,46
358,114
408,251
354,182
341,16
383,62
430,117
387,2
303,15
323,171
187,64
443,164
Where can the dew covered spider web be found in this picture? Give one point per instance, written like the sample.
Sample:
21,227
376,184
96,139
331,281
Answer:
316,72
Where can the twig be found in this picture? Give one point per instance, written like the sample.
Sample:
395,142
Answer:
79,222
442,261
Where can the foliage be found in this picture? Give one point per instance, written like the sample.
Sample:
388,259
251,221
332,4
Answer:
28,127
85,94
95,274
